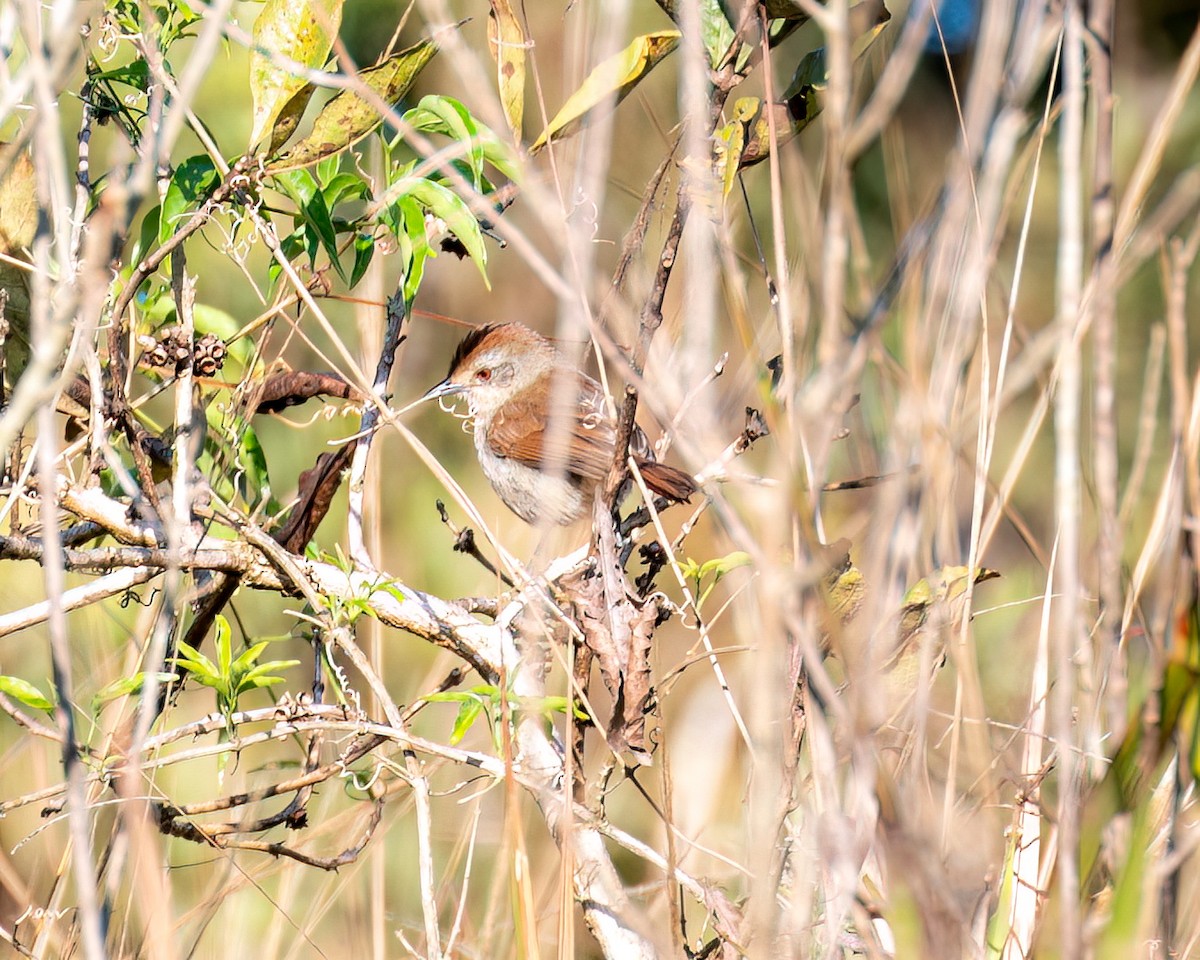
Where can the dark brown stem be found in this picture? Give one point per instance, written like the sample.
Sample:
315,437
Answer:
197,834
118,368
652,317
397,311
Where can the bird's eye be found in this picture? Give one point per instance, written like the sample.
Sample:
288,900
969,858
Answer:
484,375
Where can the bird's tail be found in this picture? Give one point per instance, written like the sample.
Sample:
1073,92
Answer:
666,481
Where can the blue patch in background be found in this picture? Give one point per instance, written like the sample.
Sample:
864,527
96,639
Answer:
959,20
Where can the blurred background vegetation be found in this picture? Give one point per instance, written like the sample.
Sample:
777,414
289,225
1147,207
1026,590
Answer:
962,776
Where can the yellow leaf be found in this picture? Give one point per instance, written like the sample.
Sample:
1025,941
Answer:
18,202
18,225
943,585
299,30
507,41
729,142
608,84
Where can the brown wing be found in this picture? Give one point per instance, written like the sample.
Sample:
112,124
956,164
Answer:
580,446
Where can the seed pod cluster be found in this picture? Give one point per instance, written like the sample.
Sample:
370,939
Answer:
170,350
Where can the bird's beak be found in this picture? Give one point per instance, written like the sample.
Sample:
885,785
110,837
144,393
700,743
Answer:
447,388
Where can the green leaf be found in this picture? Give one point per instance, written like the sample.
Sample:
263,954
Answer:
317,214
300,30
438,114
722,565
746,139
446,115
392,590
245,663
1119,937
348,117
197,664
468,713
364,250
450,696
133,74
224,647
193,182
253,460
302,187
427,117
715,31
344,186
406,220
291,247
147,238
608,84
326,170
803,94
25,692
233,459
261,676
1194,746
125,686
450,208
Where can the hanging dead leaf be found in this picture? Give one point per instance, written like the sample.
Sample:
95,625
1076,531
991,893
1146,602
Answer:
627,732
507,41
292,388
299,30
314,495
620,637
349,117
608,84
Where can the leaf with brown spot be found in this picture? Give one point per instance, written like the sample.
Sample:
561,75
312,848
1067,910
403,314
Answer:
289,118
506,38
349,117
300,30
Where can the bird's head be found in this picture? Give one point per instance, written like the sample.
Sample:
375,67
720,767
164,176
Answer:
493,363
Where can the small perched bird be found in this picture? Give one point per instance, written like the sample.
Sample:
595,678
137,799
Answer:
543,434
